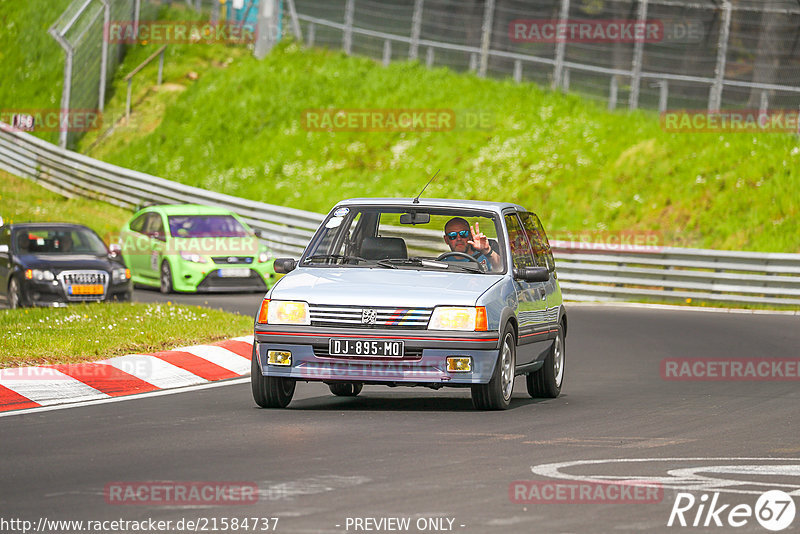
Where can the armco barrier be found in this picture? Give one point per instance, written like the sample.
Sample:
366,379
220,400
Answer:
585,273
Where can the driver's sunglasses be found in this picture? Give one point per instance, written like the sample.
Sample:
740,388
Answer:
453,235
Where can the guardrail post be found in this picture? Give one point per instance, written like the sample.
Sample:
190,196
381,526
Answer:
764,106
560,46
429,57
416,26
638,52
715,94
473,62
613,89
486,38
565,81
347,42
387,52
517,70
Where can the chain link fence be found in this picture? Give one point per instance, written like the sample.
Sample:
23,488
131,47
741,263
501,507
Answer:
90,60
703,54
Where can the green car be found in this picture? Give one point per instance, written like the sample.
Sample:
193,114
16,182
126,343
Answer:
193,248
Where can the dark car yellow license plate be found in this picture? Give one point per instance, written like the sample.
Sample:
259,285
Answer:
366,348
86,289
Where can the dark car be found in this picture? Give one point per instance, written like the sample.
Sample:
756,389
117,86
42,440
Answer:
52,264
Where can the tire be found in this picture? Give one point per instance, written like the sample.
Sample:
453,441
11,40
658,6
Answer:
269,391
14,295
165,280
496,395
346,389
547,381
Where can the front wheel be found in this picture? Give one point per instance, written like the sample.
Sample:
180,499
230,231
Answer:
547,381
269,391
496,395
166,278
14,298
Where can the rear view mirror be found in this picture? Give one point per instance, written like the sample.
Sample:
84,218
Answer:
415,218
284,265
3,249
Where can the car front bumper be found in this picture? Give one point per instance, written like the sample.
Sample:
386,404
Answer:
424,361
45,294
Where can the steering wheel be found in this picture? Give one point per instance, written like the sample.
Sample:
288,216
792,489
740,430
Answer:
459,255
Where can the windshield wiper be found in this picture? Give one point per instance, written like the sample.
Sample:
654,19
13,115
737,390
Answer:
341,257
392,263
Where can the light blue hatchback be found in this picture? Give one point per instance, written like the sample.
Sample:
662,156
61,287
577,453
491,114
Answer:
403,292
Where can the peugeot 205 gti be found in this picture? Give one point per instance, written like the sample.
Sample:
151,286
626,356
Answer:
405,292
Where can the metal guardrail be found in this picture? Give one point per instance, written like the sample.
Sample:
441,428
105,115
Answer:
586,271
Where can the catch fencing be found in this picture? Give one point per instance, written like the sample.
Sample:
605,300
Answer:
707,54
89,59
586,271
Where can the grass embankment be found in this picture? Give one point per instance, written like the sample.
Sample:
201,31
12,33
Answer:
31,61
85,332
238,130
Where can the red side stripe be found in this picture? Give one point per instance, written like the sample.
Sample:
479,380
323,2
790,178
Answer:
11,400
242,348
195,365
105,378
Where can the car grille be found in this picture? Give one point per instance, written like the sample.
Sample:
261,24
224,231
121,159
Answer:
83,278
232,260
369,317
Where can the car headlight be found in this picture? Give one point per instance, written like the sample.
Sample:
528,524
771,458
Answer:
467,318
39,275
263,257
284,312
120,275
193,257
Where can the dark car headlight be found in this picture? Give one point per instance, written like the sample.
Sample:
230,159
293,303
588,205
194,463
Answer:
39,275
120,275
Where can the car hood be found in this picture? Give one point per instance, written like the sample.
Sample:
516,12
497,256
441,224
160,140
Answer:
382,287
66,262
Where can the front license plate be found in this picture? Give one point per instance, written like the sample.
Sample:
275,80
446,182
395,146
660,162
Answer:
86,289
365,347
235,272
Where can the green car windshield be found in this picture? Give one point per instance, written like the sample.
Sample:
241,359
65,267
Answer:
206,226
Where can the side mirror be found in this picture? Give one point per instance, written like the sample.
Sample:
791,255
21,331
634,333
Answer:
284,265
3,249
532,274
114,250
257,233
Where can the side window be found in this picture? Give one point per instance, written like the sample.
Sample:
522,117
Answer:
137,225
5,235
538,239
154,226
518,241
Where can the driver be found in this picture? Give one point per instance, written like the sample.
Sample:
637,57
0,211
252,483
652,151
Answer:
460,237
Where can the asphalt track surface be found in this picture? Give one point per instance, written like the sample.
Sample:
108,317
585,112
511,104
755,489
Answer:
326,462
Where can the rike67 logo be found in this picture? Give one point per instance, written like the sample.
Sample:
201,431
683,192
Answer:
774,510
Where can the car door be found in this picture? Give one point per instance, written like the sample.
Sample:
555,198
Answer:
533,326
136,246
543,257
5,260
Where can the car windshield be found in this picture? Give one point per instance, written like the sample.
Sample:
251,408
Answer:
57,240
205,226
395,237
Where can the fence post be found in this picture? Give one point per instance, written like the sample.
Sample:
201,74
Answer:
63,120
663,95
387,52
565,81
348,26
416,27
295,22
612,93
429,57
517,70
638,52
104,56
137,9
715,95
486,39
560,45
764,106
311,36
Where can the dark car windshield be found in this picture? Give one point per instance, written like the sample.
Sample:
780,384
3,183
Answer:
395,237
205,226
57,240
